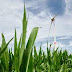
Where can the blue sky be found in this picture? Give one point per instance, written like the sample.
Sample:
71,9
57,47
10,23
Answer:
11,13
40,11
56,6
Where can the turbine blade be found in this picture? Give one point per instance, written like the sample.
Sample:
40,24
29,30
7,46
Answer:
56,14
50,14
50,27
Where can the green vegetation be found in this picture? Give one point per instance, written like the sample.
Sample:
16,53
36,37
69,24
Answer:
24,61
55,61
19,61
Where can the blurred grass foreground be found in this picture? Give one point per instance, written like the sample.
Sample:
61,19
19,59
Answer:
24,60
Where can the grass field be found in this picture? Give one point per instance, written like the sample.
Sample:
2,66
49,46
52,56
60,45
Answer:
23,59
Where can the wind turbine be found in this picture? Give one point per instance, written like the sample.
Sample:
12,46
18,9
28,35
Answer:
54,29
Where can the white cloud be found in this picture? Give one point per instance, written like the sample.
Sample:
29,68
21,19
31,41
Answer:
11,13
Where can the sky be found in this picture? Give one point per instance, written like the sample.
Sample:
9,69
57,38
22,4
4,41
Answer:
39,13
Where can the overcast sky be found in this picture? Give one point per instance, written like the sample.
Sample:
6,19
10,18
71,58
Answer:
38,14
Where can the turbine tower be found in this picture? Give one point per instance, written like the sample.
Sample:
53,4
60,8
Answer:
54,29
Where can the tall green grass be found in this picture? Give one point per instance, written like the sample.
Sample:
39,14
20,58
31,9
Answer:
56,61
24,60
19,61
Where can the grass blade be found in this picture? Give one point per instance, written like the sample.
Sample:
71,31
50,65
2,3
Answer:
28,50
23,37
2,51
